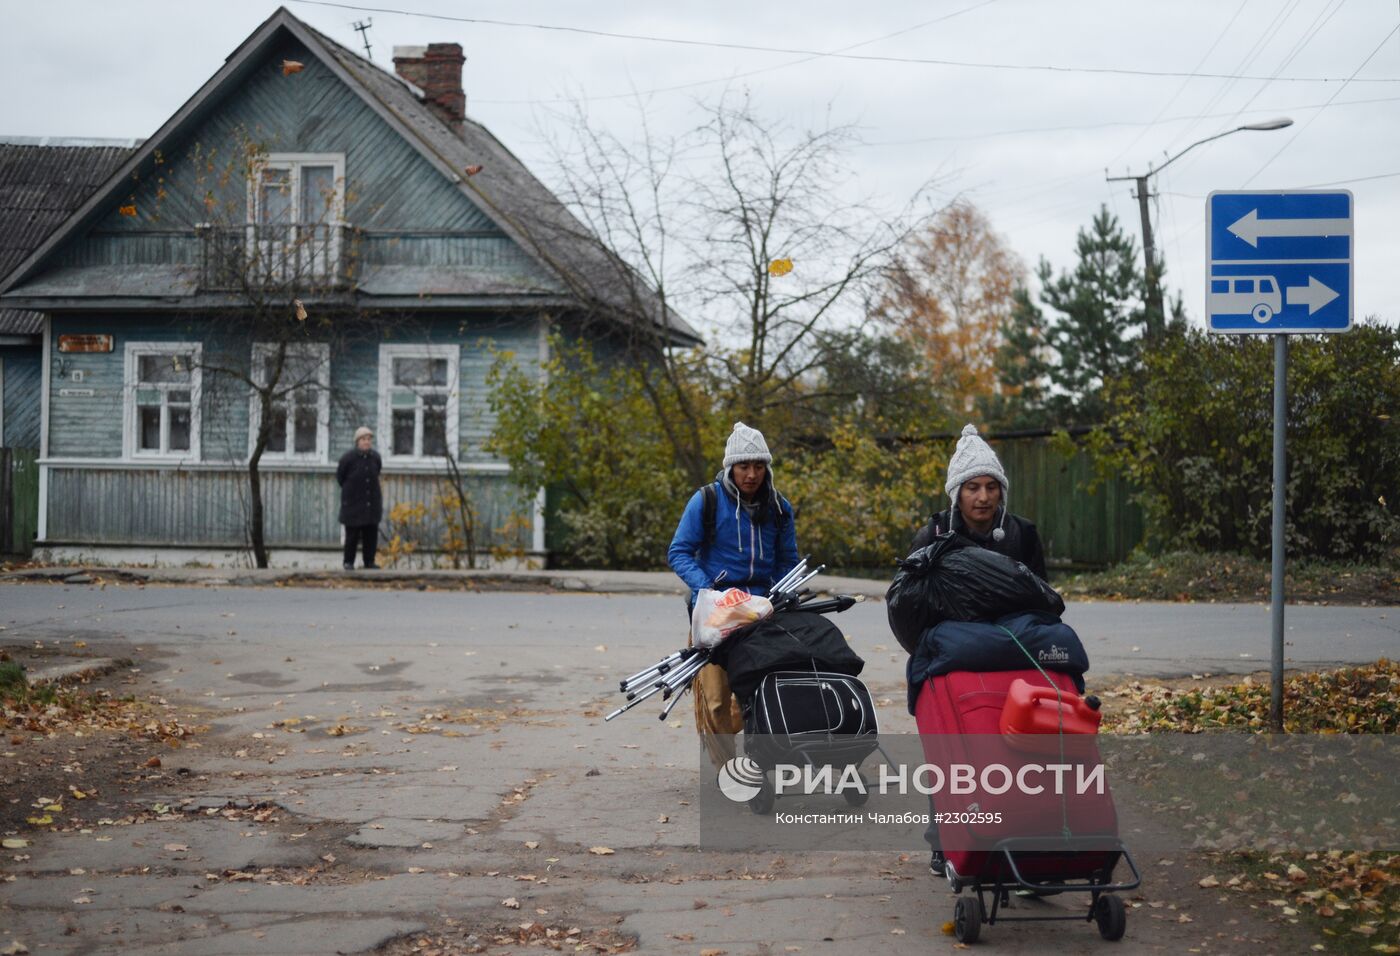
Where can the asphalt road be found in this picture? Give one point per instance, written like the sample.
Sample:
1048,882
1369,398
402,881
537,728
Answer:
439,759
1143,639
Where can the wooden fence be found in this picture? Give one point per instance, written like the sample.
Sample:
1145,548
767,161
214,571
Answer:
1080,528
19,500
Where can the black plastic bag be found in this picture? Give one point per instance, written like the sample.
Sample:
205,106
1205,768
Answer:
789,640
954,579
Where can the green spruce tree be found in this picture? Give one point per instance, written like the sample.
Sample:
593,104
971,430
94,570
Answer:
1099,319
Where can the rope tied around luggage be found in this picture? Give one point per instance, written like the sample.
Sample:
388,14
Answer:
1065,831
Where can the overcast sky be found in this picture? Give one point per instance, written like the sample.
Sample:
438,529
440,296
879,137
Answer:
1029,146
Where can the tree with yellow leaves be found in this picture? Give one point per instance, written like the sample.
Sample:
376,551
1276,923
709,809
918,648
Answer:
948,293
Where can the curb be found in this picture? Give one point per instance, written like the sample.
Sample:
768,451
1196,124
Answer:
577,582
58,673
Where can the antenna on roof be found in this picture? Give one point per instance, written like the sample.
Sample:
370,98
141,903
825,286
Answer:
363,26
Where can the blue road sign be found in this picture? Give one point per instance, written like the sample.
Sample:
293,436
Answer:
1279,262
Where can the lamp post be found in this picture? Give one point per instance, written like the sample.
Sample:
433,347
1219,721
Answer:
1156,312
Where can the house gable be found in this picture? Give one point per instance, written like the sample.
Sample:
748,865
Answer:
417,232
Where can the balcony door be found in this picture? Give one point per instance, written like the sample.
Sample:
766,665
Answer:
297,205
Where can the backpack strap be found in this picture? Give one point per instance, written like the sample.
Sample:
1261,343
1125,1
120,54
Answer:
709,505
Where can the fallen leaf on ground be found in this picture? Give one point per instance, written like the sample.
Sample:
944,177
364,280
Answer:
511,903
601,850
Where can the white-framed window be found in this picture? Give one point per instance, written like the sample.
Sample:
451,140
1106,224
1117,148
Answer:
418,401
296,204
161,400
300,403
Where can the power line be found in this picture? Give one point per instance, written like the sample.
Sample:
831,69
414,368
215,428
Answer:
729,78
1319,22
990,134
1219,37
865,57
1245,63
1335,182
1292,139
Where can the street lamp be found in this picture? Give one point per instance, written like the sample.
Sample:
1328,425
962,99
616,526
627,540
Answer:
1156,312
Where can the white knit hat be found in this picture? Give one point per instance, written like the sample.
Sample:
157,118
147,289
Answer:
746,444
974,458
362,431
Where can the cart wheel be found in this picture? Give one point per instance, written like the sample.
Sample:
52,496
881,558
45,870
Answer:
856,798
762,802
967,919
1112,917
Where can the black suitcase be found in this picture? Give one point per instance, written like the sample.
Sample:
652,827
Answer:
810,716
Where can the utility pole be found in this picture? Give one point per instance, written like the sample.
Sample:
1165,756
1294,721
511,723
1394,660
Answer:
1156,314
1156,311
363,27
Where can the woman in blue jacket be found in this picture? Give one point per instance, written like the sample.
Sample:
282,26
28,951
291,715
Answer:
744,538
751,542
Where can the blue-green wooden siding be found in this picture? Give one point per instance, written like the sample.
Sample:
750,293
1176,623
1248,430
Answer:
208,508
23,368
389,185
83,426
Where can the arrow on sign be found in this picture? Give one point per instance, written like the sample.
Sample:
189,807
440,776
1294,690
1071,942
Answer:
1314,295
1250,227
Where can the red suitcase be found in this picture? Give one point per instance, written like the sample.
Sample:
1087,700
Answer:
961,717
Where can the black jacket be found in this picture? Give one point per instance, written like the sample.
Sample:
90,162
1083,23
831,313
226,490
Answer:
361,502
1022,541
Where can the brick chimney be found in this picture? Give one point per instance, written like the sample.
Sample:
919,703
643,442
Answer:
436,69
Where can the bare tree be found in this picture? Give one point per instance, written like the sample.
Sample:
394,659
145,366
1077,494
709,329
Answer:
740,222
276,255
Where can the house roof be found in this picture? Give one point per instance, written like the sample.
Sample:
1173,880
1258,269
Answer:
41,182
504,189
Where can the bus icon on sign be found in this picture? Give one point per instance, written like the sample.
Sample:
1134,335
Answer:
1256,296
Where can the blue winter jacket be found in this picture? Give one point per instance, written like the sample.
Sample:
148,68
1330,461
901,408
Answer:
744,554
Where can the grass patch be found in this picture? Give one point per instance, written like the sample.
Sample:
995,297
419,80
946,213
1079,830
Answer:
1347,700
1193,576
1350,900
12,680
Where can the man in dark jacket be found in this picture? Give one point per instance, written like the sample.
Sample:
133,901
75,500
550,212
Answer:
977,491
361,502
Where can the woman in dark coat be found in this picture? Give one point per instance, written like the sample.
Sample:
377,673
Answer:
361,502
977,492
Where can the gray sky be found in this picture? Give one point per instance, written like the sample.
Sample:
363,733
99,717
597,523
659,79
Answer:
1028,146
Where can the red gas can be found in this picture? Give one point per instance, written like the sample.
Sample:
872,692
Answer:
1032,712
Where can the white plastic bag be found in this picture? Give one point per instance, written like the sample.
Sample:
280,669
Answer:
719,613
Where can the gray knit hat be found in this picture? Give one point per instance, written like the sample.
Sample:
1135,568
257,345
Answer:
974,458
746,444
362,431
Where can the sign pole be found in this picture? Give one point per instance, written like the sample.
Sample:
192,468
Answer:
1280,479
1279,263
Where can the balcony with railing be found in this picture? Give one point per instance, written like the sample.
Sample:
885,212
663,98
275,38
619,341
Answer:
301,257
